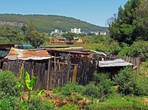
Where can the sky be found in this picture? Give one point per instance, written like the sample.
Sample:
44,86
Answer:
93,11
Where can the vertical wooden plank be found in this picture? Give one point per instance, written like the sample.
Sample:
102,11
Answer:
22,66
69,67
48,74
74,77
54,73
51,80
138,64
55,64
32,70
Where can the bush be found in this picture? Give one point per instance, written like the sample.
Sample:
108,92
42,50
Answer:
125,80
67,107
139,49
105,88
91,91
8,103
8,84
104,84
124,50
69,88
36,104
130,82
114,48
101,89
141,85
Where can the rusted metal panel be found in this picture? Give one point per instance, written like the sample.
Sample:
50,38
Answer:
28,54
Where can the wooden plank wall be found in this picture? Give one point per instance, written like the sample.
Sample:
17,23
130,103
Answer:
54,73
135,61
49,74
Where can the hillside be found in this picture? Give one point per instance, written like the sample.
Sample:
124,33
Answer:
47,23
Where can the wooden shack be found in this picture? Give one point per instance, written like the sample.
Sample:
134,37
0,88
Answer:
47,69
53,68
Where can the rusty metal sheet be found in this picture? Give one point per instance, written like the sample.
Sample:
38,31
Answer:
28,54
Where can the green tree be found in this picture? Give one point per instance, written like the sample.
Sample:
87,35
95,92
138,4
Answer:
24,29
125,27
33,37
69,36
142,20
11,34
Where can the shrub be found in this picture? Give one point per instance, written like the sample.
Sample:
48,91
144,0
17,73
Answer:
8,103
69,88
124,50
125,80
139,49
105,88
104,84
36,104
91,91
130,82
141,85
8,84
67,107
101,89
114,48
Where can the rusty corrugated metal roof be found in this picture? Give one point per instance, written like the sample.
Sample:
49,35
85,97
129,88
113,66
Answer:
28,54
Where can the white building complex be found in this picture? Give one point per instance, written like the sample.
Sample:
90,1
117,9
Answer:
56,32
76,31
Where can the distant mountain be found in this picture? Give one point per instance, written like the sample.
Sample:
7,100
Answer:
47,23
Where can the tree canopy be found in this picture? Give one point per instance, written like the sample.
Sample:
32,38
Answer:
131,23
26,35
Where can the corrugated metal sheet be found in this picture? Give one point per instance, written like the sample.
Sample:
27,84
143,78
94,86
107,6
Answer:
28,54
68,49
70,52
100,53
114,63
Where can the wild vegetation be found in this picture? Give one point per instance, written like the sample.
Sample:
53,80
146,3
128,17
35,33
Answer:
126,91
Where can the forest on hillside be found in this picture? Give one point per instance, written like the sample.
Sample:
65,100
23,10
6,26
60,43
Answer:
47,23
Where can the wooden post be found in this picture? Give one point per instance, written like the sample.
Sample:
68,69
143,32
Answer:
138,64
32,71
74,77
48,74
54,73
69,66
22,66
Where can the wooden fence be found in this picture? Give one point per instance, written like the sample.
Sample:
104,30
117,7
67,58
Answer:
52,73
49,74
